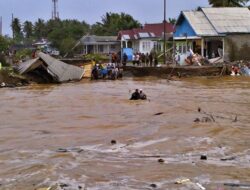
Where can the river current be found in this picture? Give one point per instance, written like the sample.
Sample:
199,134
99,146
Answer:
60,135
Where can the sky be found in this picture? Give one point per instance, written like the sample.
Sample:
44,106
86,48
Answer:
91,11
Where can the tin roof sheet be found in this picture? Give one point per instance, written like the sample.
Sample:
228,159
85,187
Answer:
200,23
229,20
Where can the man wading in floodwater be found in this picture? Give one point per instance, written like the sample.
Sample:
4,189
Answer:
143,96
138,95
135,95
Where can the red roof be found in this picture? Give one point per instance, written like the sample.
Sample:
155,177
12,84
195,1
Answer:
148,31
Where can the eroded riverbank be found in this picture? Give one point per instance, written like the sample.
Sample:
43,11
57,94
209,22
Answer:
82,119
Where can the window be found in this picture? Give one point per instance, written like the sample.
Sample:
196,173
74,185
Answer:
101,48
146,46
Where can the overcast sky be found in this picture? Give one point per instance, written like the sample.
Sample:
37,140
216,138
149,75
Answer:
149,11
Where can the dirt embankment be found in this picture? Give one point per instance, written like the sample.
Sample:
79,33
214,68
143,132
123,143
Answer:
9,79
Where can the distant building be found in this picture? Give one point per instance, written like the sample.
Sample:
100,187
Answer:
214,32
147,38
99,44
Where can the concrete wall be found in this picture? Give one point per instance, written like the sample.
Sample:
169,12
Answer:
237,47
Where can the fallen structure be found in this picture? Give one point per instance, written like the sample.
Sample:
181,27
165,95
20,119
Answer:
50,69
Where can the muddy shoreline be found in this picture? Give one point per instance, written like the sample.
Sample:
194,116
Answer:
8,78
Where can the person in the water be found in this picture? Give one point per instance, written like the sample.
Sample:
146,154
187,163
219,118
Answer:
143,96
135,95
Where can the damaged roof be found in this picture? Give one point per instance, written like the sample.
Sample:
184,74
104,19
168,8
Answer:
60,71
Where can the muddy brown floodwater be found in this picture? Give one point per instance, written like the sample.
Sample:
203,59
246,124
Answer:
61,134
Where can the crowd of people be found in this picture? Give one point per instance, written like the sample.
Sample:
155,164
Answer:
237,70
138,59
106,71
146,60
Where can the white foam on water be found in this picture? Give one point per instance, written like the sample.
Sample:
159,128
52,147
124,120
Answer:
147,143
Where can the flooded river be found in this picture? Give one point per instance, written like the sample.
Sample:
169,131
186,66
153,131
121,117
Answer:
61,135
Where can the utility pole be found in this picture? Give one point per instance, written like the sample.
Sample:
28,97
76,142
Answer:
1,25
164,25
12,19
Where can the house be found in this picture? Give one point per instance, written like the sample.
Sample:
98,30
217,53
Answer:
99,44
146,38
214,32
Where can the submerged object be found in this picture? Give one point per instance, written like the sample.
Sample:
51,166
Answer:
58,70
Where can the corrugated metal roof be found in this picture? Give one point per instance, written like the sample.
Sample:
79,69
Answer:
229,20
27,66
92,40
61,71
200,23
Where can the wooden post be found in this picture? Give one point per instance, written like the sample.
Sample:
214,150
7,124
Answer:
223,46
202,47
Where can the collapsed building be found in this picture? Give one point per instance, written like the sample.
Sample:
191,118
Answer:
47,69
222,33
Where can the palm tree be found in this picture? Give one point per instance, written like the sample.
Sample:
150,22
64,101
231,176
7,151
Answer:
228,3
16,28
40,29
28,29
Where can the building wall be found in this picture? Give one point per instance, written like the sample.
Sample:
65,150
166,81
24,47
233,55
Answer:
146,46
237,47
184,29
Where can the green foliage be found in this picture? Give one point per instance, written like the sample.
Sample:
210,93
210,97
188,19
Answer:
17,29
228,3
112,23
28,29
40,29
22,54
172,21
2,60
96,57
66,45
4,43
64,34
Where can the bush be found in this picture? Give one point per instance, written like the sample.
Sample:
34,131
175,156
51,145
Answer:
23,54
3,61
96,57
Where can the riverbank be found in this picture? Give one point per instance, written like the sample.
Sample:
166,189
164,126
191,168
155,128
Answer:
10,79
179,71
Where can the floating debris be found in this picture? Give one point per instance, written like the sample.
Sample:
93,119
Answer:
113,142
161,160
153,185
160,113
203,157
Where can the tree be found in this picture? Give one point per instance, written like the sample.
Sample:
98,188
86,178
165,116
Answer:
172,21
64,34
228,3
112,23
40,29
4,43
16,28
28,29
